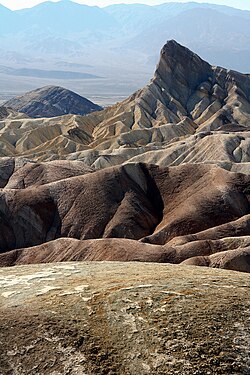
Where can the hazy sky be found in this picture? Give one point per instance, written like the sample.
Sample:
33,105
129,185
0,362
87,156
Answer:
18,4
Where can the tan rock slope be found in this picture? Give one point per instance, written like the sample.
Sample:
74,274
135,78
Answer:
117,318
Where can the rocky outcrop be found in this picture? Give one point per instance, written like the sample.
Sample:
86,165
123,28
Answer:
133,318
51,101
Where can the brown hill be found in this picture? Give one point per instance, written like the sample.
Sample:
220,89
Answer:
155,205
236,257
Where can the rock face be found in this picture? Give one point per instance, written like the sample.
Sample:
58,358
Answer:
210,96
51,101
116,318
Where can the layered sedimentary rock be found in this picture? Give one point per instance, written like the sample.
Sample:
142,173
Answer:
176,189
9,113
189,112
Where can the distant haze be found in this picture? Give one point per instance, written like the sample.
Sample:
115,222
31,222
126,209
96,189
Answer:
19,4
107,53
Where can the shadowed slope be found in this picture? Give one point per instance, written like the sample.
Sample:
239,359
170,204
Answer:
134,201
116,202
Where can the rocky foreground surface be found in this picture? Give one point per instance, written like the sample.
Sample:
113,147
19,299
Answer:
117,318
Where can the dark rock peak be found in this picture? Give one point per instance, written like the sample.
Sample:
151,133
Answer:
181,74
178,61
173,51
51,101
50,89
172,48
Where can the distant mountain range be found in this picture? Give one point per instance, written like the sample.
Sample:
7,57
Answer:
204,27
66,28
119,41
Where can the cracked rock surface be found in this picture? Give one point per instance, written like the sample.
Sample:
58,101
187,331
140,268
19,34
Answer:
117,318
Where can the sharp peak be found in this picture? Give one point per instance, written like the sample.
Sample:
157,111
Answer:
179,63
173,46
173,52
